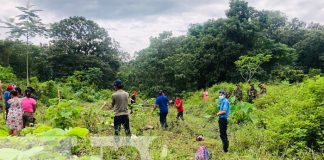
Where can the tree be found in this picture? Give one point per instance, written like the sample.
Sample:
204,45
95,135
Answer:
248,66
80,44
29,25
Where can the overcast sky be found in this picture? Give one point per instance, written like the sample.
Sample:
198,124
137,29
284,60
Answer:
133,22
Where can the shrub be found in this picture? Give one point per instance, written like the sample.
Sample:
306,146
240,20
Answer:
63,114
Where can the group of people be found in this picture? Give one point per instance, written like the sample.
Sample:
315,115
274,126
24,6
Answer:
19,108
120,104
252,93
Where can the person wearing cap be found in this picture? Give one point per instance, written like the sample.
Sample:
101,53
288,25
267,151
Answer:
120,105
6,97
224,111
252,93
238,93
162,102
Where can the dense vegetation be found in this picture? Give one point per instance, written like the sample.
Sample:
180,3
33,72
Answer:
73,74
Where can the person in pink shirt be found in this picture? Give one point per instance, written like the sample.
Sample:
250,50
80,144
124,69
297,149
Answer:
29,107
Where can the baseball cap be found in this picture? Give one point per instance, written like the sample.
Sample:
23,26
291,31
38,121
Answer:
10,87
222,92
118,83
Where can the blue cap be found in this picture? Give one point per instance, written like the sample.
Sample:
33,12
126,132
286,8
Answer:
161,92
118,83
222,92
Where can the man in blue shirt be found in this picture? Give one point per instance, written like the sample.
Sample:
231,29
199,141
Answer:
224,110
6,97
162,102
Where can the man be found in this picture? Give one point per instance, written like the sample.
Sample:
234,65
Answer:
224,110
1,97
238,93
263,90
252,93
162,102
6,97
120,104
179,106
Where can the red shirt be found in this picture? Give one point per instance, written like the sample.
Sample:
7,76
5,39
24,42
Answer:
178,102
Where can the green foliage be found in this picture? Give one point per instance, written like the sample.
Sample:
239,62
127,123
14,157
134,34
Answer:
242,112
63,114
248,66
294,117
4,131
79,132
80,44
287,73
7,75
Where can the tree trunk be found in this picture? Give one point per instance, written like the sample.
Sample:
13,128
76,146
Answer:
27,60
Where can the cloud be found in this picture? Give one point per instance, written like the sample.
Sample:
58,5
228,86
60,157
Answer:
133,22
119,9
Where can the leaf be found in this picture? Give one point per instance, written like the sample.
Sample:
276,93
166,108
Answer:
79,132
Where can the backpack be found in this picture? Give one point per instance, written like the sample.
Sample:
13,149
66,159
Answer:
202,153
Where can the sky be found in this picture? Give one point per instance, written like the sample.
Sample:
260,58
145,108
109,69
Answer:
133,22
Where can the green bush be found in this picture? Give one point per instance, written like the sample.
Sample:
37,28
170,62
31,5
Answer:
293,115
64,114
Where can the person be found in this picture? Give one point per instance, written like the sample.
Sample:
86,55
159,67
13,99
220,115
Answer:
15,114
263,90
120,105
224,111
29,107
205,96
252,93
179,105
6,97
202,152
162,102
20,95
1,97
133,97
238,93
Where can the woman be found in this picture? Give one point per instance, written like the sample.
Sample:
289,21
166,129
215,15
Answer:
205,96
29,108
15,113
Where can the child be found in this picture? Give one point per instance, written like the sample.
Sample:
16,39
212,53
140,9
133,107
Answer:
179,106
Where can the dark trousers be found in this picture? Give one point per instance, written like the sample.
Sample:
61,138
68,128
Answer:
7,111
163,119
180,115
222,122
119,121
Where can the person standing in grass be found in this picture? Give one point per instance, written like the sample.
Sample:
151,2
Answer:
238,93
224,111
15,114
205,96
1,97
120,104
6,97
179,105
263,90
29,107
252,93
162,102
